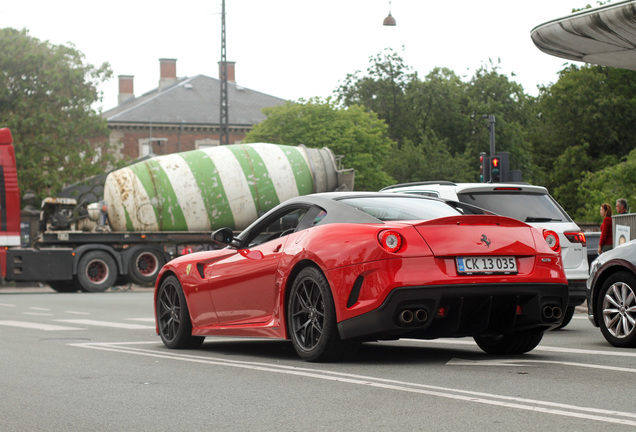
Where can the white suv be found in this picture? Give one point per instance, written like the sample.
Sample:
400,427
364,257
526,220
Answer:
530,204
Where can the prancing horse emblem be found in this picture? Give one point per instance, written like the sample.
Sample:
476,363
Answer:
485,240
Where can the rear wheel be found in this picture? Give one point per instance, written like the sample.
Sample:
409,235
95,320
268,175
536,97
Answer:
145,265
96,271
311,319
173,317
616,310
509,344
567,317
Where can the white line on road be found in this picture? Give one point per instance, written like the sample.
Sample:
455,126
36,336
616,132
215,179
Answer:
152,320
564,410
37,326
106,324
530,362
77,313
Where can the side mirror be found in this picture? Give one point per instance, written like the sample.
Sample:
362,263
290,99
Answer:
223,236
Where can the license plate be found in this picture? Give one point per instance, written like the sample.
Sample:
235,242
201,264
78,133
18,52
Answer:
490,264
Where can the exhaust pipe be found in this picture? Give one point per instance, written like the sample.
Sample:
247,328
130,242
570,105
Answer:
421,315
406,317
552,312
547,312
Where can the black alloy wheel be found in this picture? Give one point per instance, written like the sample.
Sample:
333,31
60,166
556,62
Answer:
173,317
509,344
311,319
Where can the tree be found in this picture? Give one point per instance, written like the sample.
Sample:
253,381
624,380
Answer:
585,123
46,94
358,135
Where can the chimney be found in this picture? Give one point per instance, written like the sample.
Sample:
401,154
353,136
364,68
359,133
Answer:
231,77
125,88
167,72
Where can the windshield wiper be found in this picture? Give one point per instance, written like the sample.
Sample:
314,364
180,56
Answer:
542,219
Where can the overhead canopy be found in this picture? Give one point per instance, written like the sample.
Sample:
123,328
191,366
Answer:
605,36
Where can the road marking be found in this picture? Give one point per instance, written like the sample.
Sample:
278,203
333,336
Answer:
77,313
106,324
539,348
37,314
37,326
530,362
39,308
7,305
150,320
564,410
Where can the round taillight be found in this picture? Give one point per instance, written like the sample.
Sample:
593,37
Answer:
552,239
391,241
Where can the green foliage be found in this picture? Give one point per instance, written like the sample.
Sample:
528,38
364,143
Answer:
46,93
353,132
438,122
615,180
585,123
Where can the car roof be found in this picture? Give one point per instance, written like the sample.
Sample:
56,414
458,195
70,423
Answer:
465,187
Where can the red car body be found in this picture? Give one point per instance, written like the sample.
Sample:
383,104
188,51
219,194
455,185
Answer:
378,292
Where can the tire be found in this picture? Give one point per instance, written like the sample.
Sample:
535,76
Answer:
64,286
96,271
144,266
509,344
311,319
173,316
569,313
616,310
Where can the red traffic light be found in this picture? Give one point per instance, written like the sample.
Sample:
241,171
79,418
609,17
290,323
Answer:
494,162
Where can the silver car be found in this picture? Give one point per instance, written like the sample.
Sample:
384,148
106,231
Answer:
611,294
530,204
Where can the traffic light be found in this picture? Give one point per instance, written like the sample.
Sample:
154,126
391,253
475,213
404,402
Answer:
482,162
495,169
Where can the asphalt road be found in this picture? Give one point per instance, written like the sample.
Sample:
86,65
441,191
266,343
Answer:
92,362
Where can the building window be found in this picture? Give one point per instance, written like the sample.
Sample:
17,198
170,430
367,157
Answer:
145,149
205,143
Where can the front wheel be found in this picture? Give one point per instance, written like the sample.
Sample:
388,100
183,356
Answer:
173,317
616,310
311,319
63,286
509,344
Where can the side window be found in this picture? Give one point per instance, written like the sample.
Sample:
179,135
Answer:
279,225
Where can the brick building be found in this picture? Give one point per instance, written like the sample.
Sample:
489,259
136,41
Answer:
181,114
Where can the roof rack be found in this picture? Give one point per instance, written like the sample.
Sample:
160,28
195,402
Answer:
441,182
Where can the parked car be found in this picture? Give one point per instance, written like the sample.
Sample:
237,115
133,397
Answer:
329,271
528,203
592,239
611,294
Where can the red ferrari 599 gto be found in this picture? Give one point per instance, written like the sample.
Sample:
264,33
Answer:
329,271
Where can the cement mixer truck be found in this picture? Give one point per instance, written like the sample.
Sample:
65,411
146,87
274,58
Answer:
152,208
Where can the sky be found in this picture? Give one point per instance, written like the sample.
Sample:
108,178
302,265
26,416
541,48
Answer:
295,49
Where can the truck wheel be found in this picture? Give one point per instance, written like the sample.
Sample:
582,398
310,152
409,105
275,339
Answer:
145,265
63,286
96,272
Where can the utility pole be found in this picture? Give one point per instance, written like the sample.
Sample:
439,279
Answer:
224,133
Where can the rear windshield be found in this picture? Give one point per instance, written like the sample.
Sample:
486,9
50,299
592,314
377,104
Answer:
401,208
522,206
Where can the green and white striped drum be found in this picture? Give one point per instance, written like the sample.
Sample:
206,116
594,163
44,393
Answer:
224,186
